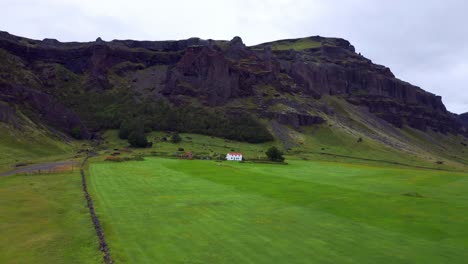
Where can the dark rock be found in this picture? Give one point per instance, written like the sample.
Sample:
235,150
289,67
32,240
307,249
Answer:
237,43
464,119
214,73
429,113
297,120
51,42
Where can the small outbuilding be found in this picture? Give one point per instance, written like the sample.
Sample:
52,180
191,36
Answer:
234,156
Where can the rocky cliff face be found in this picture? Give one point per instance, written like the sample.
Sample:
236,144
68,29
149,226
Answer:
464,118
284,80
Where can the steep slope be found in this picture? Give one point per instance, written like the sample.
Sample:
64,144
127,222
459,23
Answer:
207,86
23,141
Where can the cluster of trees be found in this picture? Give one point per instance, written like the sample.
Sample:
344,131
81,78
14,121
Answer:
236,126
111,109
160,116
134,132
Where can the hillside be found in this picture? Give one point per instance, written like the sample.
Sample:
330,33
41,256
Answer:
23,141
464,118
312,94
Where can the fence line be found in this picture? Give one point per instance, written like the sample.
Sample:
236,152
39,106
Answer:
97,225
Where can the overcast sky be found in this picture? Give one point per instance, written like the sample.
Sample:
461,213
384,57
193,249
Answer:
424,42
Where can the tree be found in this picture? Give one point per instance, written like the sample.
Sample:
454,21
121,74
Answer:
125,129
176,138
138,139
274,154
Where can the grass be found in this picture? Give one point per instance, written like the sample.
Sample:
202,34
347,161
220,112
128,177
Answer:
31,147
177,211
332,140
309,144
197,144
300,44
44,220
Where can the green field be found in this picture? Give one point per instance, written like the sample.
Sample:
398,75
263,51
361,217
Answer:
44,219
178,211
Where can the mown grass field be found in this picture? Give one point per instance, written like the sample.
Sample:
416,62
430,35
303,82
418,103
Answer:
44,219
179,211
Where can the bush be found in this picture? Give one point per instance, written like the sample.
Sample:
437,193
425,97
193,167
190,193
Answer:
176,138
138,139
76,133
274,154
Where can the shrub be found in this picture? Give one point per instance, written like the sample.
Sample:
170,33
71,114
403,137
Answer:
274,154
175,138
138,139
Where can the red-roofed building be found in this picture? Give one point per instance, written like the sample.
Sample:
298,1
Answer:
234,156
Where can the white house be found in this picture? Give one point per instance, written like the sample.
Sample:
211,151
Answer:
234,156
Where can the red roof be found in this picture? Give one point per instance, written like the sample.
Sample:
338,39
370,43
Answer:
235,153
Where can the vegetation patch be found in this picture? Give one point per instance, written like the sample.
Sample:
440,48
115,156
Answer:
300,44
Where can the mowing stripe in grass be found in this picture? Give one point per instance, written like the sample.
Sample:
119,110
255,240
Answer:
177,211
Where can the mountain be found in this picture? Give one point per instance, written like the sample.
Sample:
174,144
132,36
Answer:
464,118
217,87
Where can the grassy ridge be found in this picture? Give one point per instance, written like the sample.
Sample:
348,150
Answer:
173,211
45,220
299,44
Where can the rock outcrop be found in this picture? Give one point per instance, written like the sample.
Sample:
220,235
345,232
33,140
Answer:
464,117
213,73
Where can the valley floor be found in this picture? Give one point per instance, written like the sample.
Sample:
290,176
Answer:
179,211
